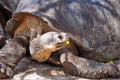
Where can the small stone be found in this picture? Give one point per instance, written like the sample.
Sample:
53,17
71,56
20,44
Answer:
57,73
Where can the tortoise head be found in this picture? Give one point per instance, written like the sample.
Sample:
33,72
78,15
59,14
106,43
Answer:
54,40
42,46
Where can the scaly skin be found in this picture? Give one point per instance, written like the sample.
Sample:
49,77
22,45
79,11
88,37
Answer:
42,46
82,67
11,54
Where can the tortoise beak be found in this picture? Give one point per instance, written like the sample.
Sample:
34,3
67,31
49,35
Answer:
62,45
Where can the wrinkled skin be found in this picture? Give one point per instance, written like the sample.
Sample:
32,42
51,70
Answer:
42,46
93,27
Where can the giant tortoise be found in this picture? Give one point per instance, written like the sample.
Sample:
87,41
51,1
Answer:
92,26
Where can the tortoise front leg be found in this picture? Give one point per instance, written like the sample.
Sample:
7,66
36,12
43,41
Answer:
82,67
11,54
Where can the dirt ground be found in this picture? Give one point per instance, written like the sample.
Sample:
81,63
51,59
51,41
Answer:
29,69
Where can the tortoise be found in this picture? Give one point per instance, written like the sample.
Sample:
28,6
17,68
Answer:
92,27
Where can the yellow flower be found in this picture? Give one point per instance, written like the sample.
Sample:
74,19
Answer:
67,42
111,62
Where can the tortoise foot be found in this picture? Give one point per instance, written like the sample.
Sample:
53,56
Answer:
5,71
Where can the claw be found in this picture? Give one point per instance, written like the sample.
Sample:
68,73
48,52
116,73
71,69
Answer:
3,67
5,71
118,67
9,72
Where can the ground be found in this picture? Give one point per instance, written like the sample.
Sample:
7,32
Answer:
29,69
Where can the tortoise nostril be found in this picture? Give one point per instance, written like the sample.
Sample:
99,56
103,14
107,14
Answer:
60,37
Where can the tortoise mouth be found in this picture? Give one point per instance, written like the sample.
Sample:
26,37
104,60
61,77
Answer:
65,43
60,45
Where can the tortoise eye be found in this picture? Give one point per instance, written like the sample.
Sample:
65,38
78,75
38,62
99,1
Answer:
60,37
